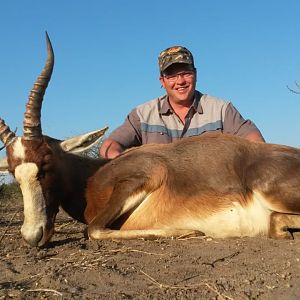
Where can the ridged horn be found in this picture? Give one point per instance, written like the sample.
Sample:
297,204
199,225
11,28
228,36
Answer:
32,118
6,135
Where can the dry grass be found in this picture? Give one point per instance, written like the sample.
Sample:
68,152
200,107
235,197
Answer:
10,192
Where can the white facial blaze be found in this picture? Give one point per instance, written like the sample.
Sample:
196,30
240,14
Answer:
18,149
34,202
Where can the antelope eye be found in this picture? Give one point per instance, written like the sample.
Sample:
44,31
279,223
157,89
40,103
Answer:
41,174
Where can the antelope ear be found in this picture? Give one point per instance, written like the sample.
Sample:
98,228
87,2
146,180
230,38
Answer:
3,165
83,142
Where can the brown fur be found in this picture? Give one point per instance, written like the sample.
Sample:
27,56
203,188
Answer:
191,179
197,177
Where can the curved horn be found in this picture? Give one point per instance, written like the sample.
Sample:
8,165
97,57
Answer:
6,135
32,118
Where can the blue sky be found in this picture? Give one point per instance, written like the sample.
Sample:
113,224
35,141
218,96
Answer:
106,59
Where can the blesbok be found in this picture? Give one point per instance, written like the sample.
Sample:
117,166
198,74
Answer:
223,186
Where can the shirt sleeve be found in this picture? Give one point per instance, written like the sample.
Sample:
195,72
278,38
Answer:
235,124
129,133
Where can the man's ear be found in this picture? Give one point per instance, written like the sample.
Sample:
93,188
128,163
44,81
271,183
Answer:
162,81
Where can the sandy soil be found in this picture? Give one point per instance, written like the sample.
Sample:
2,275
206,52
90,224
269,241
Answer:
72,267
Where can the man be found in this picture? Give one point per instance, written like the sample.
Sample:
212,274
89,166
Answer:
182,112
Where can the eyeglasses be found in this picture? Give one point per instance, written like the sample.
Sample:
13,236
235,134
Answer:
174,77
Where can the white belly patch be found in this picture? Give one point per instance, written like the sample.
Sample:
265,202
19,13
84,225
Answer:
234,221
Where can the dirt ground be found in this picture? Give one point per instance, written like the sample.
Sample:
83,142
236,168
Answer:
72,267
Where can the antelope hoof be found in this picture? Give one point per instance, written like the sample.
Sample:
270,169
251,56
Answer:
283,234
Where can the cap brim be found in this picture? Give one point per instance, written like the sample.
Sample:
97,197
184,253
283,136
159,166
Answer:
177,62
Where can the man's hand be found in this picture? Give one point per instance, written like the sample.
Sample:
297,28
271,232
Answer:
110,149
255,137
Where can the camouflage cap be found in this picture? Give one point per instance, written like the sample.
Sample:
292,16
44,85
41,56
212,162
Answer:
173,55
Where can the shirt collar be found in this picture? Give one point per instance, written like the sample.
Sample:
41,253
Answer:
165,107
197,103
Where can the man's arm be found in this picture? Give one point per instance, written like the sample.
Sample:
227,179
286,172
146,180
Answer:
235,124
126,136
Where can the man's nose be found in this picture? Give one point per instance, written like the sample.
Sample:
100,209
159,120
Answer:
180,78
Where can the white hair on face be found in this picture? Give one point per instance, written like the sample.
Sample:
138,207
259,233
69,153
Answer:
34,202
19,149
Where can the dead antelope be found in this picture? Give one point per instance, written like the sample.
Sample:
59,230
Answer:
223,186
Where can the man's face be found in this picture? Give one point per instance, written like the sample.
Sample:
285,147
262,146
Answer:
179,82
